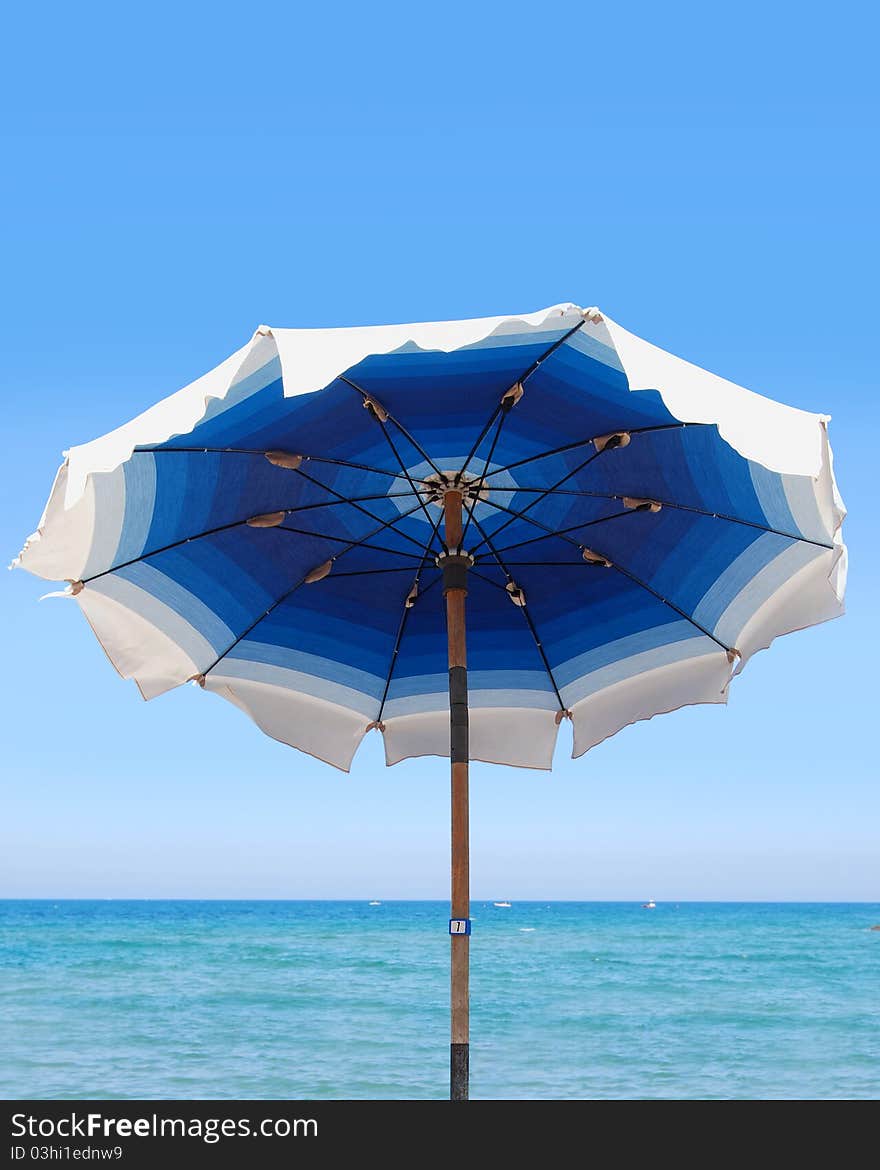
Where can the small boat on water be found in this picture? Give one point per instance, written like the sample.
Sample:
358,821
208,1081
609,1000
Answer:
649,905
502,905
375,903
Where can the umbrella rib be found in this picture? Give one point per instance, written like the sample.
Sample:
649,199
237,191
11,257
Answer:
479,440
665,504
372,572
345,540
558,532
359,467
583,443
361,541
552,349
475,493
262,454
401,627
366,511
369,398
396,653
284,596
644,585
517,381
524,611
165,548
562,532
224,528
435,532
521,515
403,468
632,577
488,580
547,564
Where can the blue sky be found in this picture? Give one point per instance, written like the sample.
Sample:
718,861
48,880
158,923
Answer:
175,176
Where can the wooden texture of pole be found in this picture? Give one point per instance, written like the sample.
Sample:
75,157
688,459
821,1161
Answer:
455,590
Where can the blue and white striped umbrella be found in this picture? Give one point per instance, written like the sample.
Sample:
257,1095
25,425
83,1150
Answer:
627,530
262,532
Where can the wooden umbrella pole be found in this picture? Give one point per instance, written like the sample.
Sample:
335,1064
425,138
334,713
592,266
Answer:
455,567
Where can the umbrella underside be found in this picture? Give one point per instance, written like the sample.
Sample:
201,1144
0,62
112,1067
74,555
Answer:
283,549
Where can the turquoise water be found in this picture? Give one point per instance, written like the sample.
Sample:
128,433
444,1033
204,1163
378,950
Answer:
343,999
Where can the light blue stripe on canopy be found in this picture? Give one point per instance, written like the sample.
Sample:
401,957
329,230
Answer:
727,535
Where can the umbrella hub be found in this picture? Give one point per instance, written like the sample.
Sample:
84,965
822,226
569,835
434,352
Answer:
473,488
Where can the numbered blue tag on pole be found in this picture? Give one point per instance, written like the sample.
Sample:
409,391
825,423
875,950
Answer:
459,925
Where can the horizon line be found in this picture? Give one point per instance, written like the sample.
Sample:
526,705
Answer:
444,900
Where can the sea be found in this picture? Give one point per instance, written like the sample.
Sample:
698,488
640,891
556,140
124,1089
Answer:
313,1000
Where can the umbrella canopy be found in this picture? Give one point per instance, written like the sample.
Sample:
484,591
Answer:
629,530
198,548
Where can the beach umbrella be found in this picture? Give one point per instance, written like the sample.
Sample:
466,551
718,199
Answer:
454,535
